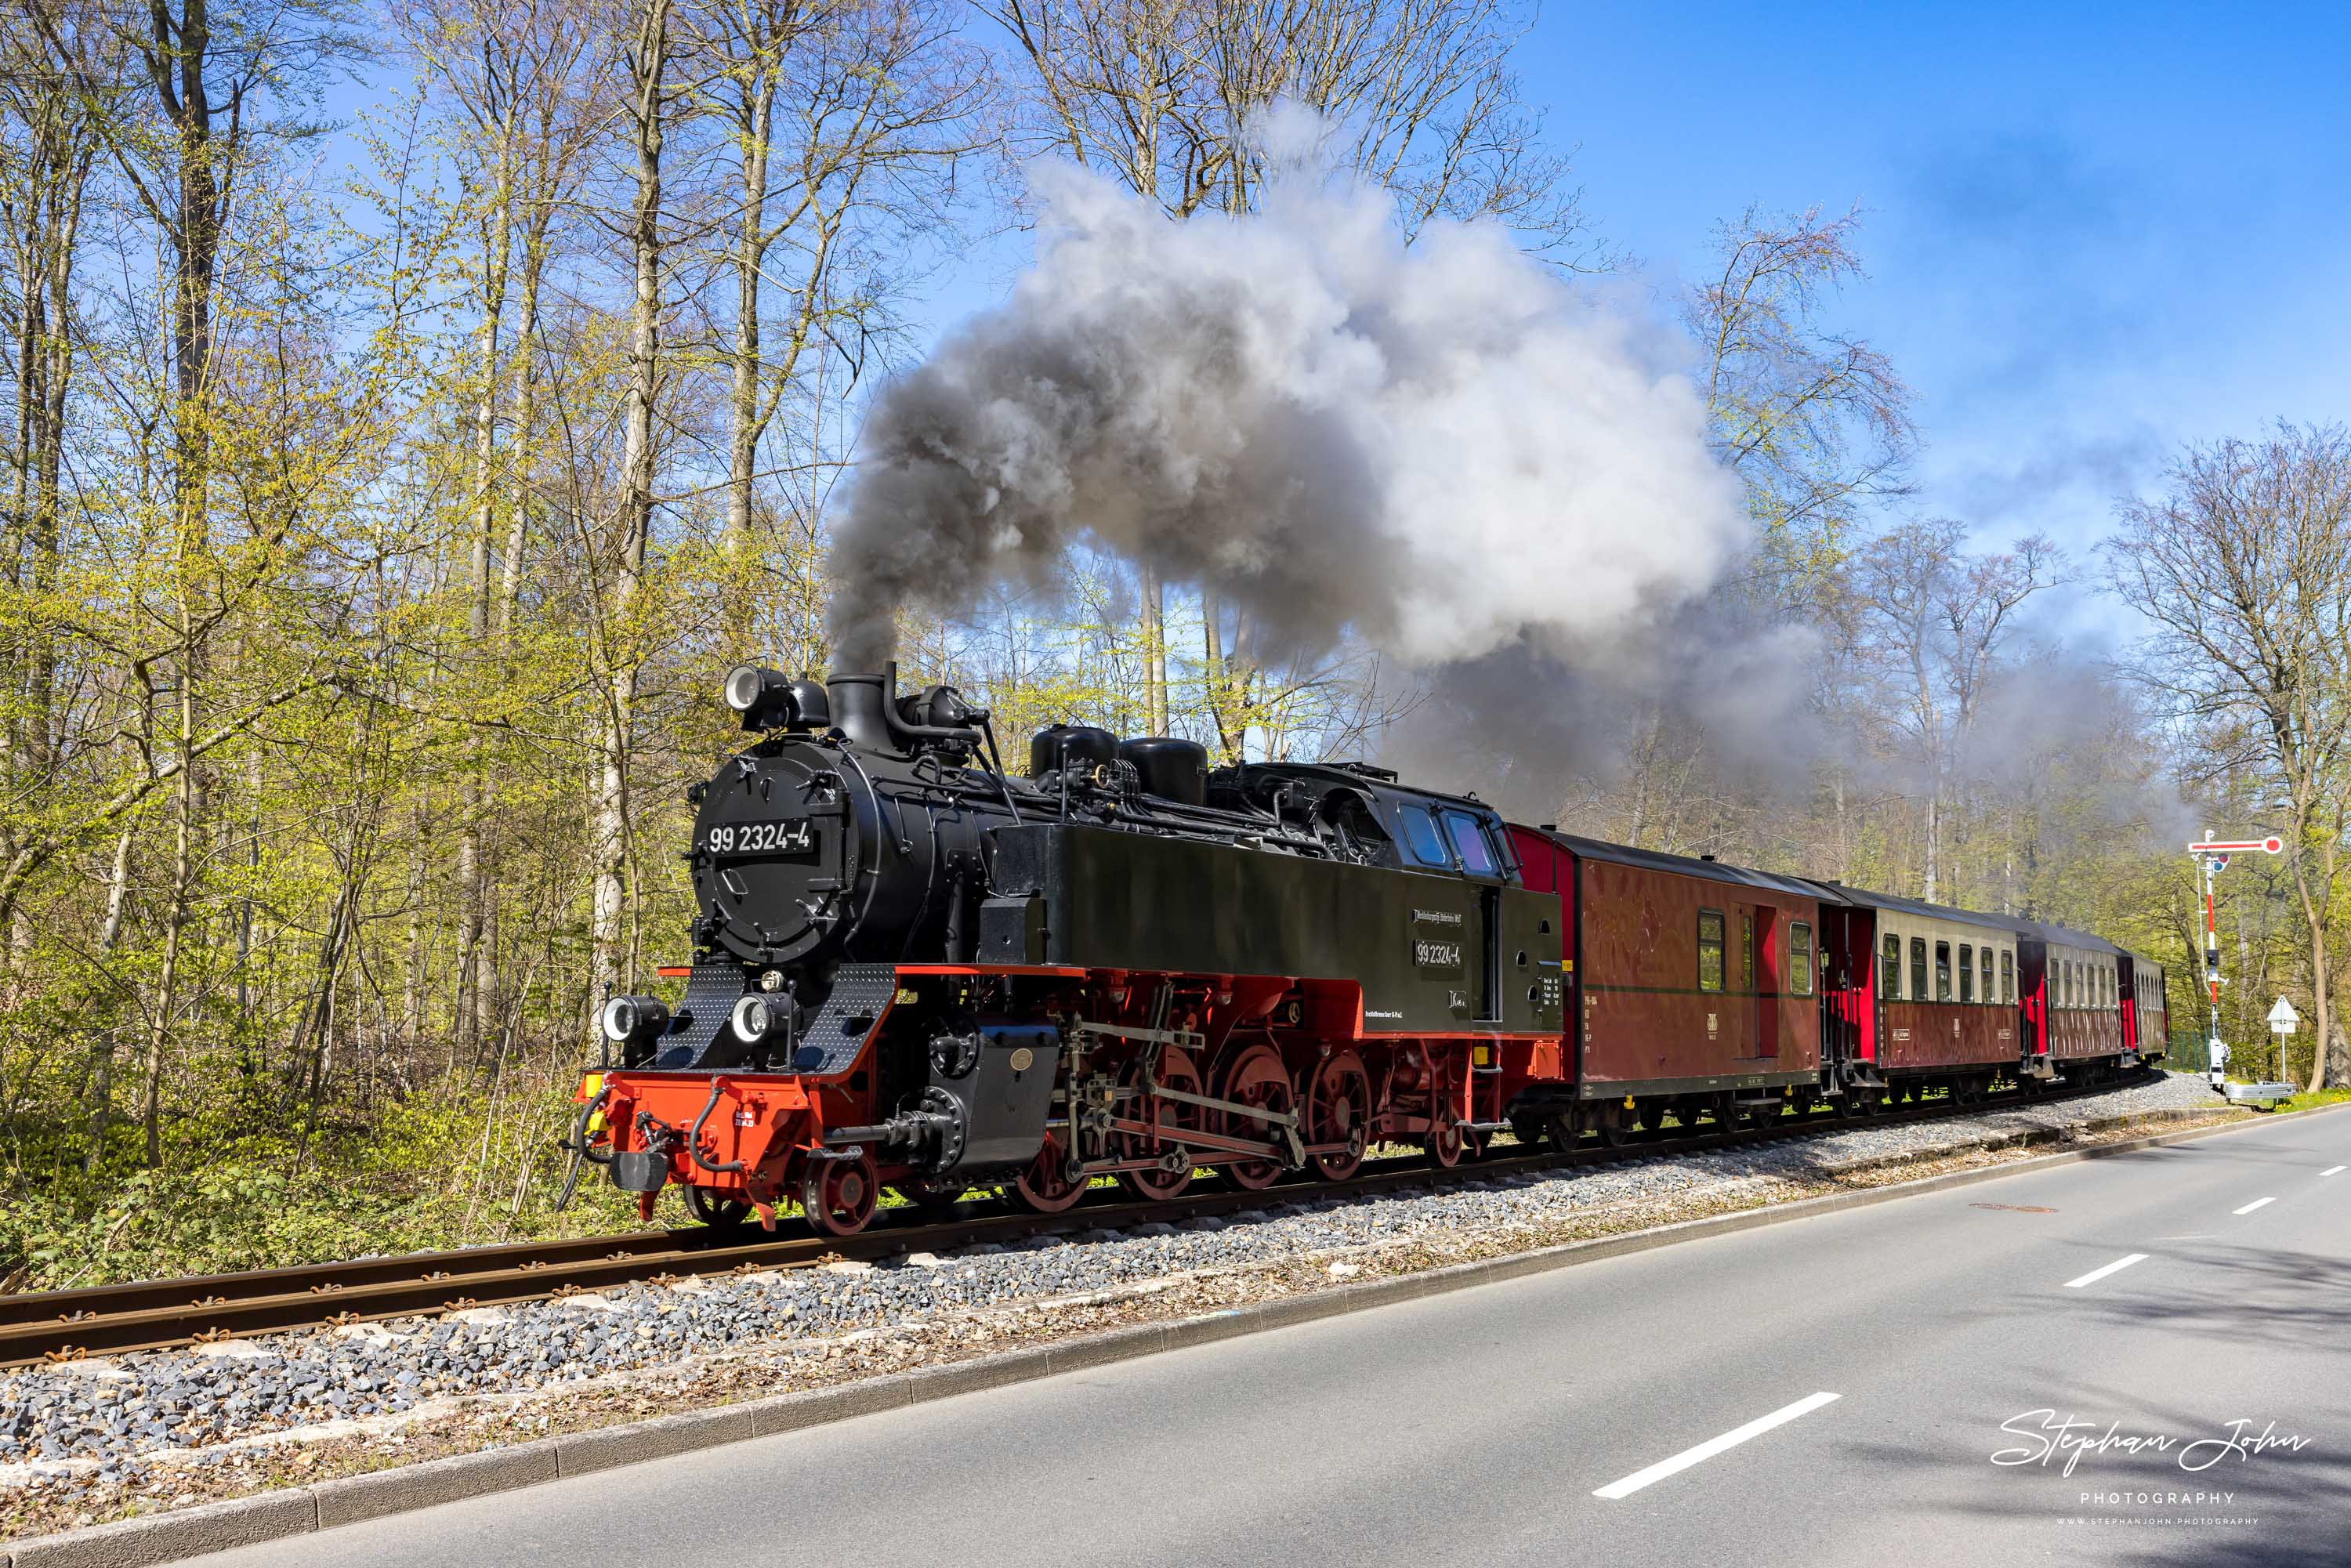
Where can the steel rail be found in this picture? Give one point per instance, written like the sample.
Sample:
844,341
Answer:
153,1314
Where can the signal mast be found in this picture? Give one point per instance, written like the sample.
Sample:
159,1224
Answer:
2213,854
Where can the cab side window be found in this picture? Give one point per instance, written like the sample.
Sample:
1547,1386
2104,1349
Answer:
1468,837
1421,837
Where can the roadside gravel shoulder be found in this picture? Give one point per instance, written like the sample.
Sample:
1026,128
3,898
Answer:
100,1440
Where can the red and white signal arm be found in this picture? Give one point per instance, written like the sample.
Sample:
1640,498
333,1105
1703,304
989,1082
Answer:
2269,846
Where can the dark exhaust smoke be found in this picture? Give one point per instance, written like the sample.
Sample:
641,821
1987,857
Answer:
1444,449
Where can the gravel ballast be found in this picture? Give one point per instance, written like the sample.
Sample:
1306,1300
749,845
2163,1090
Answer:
99,1439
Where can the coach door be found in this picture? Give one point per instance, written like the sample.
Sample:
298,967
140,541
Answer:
1764,997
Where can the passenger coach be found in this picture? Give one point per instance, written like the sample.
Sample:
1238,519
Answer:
1695,987
2073,1003
1933,1005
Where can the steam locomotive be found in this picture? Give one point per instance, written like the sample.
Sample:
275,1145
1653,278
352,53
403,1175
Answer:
913,970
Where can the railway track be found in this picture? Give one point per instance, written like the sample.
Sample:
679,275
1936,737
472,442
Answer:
152,1314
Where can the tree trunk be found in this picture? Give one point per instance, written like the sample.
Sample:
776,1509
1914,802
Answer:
109,937
746,411
2314,911
175,920
473,889
1155,651
648,60
1934,837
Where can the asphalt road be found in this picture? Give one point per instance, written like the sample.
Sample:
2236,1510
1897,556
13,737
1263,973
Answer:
1869,1361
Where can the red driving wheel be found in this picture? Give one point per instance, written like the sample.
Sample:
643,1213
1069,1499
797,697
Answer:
1177,1071
1339,1110
1255,1078
1444,1143
1043,1187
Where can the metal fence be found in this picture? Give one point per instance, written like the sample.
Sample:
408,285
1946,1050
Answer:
2188,1051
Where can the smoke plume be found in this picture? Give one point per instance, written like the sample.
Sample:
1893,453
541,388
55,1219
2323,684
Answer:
1442,448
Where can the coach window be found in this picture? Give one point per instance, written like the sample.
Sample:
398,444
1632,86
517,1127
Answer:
1800,958
1893,982
1421,837
2071,987
1469,838
1942,971
1984,959
2007,975
1917,968
1709,949
1746,952
1966,972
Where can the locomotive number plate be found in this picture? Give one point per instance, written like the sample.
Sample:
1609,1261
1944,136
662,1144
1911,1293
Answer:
794,837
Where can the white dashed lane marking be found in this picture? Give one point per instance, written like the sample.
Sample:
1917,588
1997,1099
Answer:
2254,1205
2116,1266
1711,1446
2339,1170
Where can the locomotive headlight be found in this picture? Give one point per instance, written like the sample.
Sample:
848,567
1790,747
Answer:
626,1019
769,699
763,697
752,1019
746,685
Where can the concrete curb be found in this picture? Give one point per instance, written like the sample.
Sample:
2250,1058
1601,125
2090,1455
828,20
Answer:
270,1516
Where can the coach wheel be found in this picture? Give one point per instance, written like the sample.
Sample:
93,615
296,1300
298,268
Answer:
1762,1118
1255,1078
1610,1122
720,1213
1652,1115
839,1196
1966,1091
1565,1129
1339,1110
1157,1186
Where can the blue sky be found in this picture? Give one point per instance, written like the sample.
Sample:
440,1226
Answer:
2093,233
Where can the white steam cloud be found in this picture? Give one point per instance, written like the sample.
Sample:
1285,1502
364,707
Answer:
1443,448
